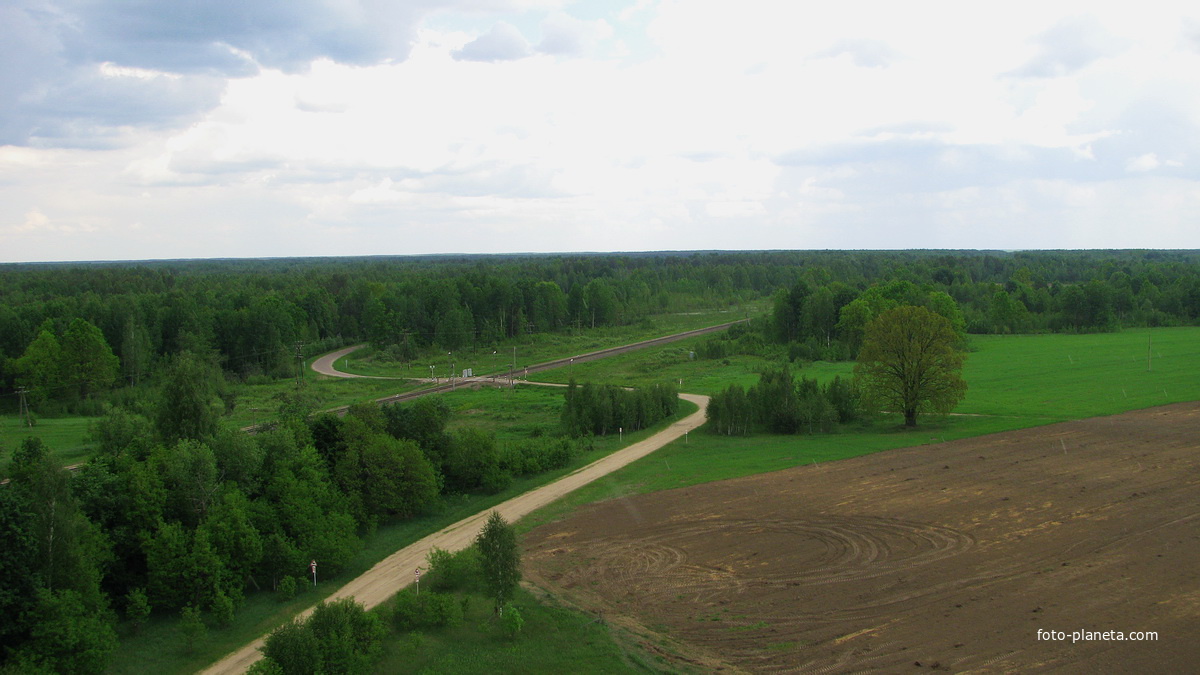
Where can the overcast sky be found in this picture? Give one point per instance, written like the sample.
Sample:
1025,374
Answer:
226,128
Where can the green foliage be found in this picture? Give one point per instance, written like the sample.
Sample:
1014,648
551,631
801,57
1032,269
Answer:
910,363
40,366
89,364
137,608
288,587
603,409
189,403
67,635
780,404
191,628
338,637
426,610
500,559
472,463
458,571
223,608
511,621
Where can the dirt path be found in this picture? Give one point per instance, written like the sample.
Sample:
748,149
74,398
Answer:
324,365
396,571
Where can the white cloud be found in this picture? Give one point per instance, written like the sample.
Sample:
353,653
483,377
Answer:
522,126
504,42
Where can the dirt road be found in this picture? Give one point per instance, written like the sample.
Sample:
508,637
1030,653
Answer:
396,571
324,365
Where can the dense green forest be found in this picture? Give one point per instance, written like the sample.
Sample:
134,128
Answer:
71,331
178,513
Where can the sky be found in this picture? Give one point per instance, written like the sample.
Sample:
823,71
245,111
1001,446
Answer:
149,129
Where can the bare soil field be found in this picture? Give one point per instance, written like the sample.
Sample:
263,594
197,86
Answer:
947,557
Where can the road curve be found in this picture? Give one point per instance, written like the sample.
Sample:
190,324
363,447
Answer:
324,365
396,571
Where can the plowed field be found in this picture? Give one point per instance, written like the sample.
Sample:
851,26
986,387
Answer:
949,556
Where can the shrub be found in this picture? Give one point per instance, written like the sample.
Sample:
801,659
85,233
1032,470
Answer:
287,588
453,571
511,621
415,611
137,608
191,628
223,609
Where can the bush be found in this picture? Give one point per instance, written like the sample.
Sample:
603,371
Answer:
191,628
223,608
426,610
511,621
339,637
459,571
287,588
137,608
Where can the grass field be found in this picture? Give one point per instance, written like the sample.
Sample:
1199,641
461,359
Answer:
553,640
1078,376
66,437
511,414
1013,382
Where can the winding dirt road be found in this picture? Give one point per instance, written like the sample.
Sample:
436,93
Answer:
396,571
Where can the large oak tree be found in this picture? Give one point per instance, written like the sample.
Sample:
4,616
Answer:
910,362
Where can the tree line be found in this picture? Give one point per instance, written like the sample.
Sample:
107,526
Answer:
253,315
598,410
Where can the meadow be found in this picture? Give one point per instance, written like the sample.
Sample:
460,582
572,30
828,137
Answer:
1014,382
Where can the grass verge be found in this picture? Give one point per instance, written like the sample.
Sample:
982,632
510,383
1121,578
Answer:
554,639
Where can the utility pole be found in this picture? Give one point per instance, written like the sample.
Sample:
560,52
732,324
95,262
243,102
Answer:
1149,351
25,414
299,363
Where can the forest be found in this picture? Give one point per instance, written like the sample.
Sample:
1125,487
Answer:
179,513
69,333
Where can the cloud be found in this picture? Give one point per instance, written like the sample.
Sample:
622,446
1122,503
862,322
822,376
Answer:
565,35
863,53
234,38
502,43
66,80
1069,46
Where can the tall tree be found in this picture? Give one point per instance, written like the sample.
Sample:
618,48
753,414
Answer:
910,362
500,558
88,362
189,404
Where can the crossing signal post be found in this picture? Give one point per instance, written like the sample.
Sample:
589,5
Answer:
313,566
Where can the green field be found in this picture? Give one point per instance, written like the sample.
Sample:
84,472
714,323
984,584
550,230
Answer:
512,414
65,437
1078,376
1013,383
